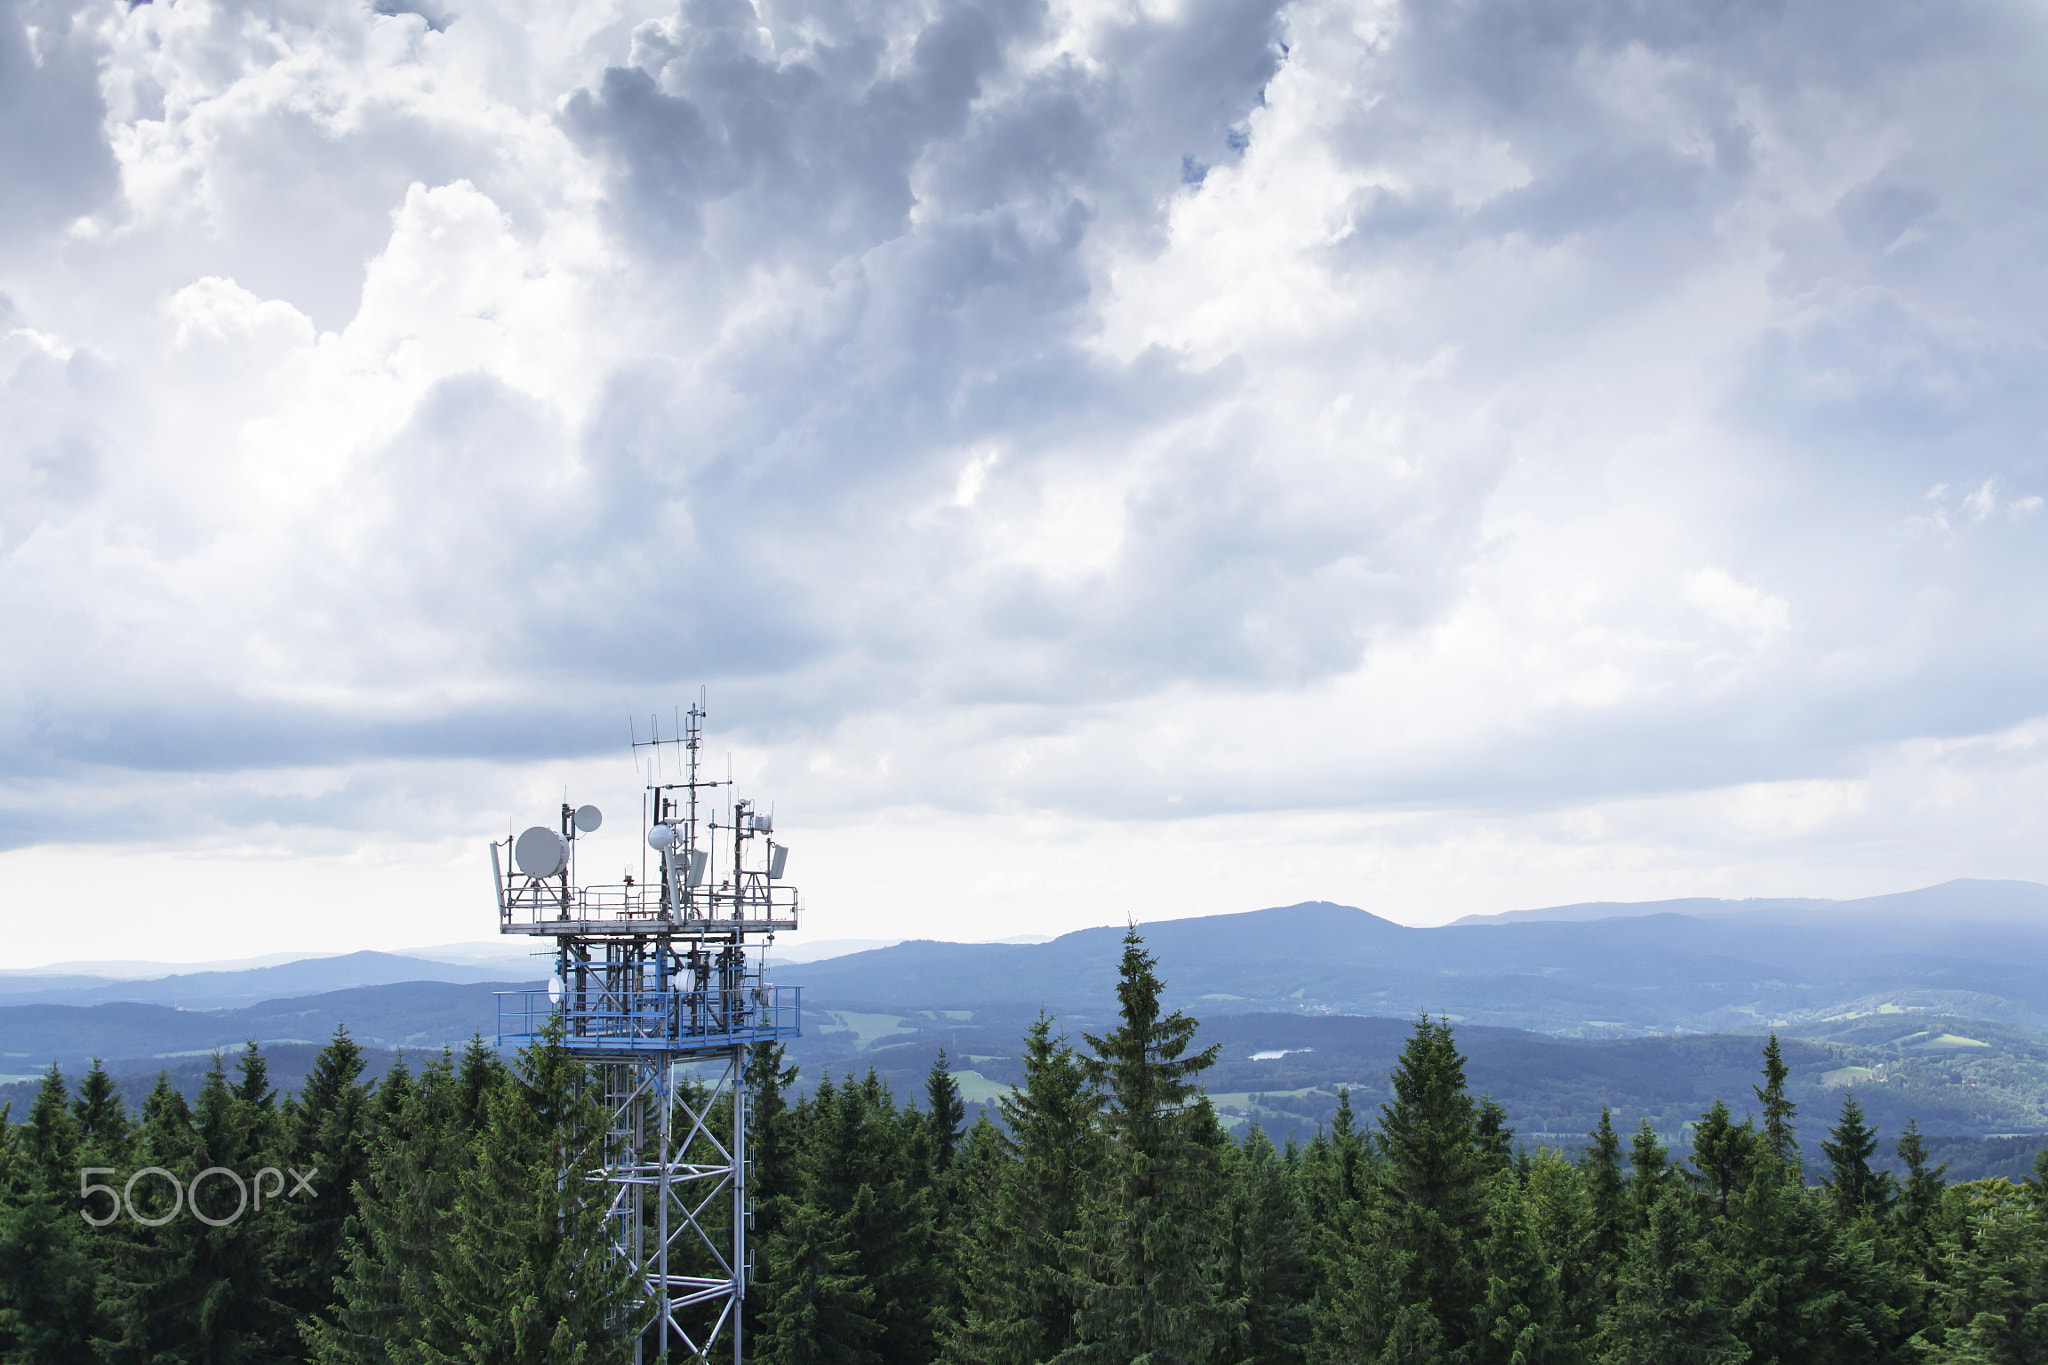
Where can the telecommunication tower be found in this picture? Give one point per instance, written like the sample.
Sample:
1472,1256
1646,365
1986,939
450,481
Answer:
649,976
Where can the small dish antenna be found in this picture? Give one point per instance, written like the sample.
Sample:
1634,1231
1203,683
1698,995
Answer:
588,818
539,852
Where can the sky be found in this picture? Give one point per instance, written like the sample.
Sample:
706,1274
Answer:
1098,460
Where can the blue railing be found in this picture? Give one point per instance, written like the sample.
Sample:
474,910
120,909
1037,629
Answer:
599,1020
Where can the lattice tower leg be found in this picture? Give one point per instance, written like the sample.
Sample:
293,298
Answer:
677,1165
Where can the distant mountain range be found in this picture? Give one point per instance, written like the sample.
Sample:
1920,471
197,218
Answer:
215,990
1933,1003
1971,949
2024,904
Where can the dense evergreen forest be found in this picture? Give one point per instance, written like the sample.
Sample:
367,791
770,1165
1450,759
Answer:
1108,1217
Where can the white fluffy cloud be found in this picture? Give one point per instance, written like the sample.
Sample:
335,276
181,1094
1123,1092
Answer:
1195,455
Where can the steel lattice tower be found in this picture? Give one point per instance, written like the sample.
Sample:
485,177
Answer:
659,988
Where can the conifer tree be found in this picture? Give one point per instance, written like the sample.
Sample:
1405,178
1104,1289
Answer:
943,1115
481,1072
1600,1168
1267,1271
329,1141
194,1278
1521,1317
230,1257
1018,1304
1722,1154
1858,1190
1921,1194
1799,1287
1435,1183
768,1144
1496,1139
1650,1172
387,1306
1562,1210
104,1127
1146,1261
969,1242
1665,1310
1778,1111
1992,1307
822,1312
529,1277
822,1301
50,1307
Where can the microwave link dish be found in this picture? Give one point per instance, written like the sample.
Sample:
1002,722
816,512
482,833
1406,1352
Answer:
661,837
588,818
540,852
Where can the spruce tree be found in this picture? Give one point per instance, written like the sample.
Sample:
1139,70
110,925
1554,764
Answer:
1665,1309
529,1276
1858,1190
104,1127
481,1072
1267,1272
1496,1139
943,1115
194,1277
822,1300
388,1307
1921,1194
1146,1258
1649,1167
236,1124
1992,1306
1722,1154
1522,1317
1435,1186
768,1144
1778,1111
1562,1209
328,1139
1800,1286
1601,1170
1018,1304
50,1307
822,1310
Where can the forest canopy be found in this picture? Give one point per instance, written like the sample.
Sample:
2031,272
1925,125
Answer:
1103,1213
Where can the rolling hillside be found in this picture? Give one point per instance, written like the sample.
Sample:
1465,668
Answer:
1931,1004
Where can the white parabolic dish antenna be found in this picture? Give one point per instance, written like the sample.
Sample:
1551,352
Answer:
539,852
588,818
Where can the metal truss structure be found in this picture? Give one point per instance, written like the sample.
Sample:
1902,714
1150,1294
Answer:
657,987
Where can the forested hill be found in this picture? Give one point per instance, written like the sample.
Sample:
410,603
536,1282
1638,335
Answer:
1654,973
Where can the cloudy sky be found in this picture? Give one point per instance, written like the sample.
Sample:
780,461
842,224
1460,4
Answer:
1149,457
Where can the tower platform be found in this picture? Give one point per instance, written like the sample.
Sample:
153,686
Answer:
604,1023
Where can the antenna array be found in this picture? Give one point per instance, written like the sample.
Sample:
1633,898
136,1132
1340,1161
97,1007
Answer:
655,988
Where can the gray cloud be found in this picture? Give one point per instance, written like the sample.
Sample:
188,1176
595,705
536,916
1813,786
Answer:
1512,403
54,158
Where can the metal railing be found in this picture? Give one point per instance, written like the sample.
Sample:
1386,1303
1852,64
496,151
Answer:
542,905
602,1020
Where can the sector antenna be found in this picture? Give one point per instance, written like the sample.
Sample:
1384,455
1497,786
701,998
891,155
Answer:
659,986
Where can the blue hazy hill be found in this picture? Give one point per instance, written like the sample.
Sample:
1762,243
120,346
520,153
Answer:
1972,949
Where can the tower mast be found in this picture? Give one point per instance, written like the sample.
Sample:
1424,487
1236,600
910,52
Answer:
661,990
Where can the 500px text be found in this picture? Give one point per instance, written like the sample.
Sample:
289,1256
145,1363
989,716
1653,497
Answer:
124,1197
